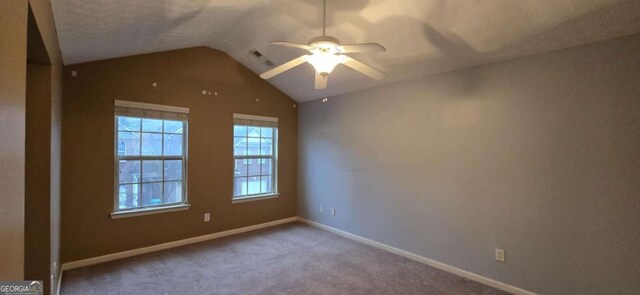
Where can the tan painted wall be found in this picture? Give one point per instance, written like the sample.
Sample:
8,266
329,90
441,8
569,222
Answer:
88,154
538,156
13,67
37,174
44,18
42,215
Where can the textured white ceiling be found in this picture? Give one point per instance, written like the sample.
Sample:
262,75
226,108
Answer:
422,37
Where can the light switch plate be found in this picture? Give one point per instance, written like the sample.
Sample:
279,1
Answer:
500,255
207,217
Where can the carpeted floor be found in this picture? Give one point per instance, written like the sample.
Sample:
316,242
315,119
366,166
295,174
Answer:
287,259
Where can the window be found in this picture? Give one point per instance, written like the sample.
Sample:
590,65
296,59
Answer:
255,147
150,161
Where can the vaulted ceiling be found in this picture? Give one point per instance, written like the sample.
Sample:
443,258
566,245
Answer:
422,37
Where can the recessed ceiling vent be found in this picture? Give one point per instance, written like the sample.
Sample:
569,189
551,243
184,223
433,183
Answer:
261,57
256,53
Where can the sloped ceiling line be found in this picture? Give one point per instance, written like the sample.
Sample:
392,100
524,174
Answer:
422,38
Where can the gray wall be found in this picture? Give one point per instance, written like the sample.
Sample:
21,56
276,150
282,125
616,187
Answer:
539,156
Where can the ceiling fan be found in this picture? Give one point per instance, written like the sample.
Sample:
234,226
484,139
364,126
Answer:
326,54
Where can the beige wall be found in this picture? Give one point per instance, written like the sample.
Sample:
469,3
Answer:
46,26
88,154
37,174
29,226
13,67
539,156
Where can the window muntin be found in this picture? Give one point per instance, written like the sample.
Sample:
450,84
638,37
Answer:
254,151
150,161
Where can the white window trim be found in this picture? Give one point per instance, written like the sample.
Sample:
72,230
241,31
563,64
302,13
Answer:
150,106
273,157
148,211
184,205
254,198
255,118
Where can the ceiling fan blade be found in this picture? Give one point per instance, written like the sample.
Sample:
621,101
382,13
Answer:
289,44
363,68
365,47
284,67
321,81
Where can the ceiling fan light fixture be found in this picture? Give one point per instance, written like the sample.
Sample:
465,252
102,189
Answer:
324,62
326,54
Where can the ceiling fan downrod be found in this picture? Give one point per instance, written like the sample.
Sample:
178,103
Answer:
324,17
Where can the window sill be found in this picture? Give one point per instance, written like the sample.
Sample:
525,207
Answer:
147,211
254,198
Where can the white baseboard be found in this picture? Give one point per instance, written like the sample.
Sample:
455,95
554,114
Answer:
134,252
439,265
412,256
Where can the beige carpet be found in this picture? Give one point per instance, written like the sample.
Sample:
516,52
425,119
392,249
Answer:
287,259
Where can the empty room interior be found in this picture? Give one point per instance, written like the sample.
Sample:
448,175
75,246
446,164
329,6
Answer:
320,147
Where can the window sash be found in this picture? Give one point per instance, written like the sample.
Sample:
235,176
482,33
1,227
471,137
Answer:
250,121
240,157
149,114
272,173
273,186
149,158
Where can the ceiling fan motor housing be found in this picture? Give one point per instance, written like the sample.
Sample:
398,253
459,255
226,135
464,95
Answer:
324,42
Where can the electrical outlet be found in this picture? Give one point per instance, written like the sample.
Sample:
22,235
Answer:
333,211
321,208
500,255
207,217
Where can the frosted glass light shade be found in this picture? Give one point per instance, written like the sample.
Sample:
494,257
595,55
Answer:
324,63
